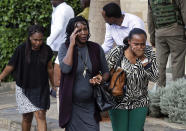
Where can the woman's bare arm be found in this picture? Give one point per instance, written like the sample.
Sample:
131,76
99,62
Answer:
8,69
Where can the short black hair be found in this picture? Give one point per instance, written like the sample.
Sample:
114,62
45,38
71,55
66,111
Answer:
137,31
71,26
134,31
112,10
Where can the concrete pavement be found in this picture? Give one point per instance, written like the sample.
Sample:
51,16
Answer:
10,119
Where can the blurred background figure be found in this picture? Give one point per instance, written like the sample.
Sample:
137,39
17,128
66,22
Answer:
167,29
61,15
85,4
118,25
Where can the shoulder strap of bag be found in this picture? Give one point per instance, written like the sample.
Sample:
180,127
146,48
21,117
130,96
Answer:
120,59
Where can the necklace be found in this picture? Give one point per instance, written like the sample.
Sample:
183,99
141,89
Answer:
84,63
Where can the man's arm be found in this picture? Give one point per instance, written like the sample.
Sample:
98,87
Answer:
182,6
58,25
151,26
108,42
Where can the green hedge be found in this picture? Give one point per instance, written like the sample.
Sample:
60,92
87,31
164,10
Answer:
17,16
75,5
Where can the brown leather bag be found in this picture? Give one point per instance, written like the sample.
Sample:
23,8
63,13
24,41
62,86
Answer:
118,78
117,82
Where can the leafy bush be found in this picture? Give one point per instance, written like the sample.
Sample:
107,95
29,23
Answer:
173,101
75,5
154,108
17,16
170,101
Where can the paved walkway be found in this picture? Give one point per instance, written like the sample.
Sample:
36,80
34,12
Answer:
10,119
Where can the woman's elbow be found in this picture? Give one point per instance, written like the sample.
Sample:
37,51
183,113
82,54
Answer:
65,69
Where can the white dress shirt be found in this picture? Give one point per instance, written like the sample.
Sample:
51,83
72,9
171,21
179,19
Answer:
116,34
60,18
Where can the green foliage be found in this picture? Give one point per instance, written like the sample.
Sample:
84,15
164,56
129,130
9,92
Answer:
170,101
17,16
9,39
21,14
154,108
173,101
75,5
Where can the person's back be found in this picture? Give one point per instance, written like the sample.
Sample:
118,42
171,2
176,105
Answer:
166,21
85,4
62,13
167,17
118,25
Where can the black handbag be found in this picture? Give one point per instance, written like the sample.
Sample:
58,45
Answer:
103,97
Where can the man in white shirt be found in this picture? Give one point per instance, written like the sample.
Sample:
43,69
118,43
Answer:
118,25
61,15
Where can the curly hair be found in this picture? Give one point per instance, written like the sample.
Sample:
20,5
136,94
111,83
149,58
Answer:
71,26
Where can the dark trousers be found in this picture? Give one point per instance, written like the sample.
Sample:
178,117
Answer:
176,47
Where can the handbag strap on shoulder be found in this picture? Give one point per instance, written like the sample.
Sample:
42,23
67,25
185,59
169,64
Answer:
120,59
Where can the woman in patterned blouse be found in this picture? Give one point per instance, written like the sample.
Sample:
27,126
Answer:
139,64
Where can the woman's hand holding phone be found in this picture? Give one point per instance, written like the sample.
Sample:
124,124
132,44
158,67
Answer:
73,36
144,61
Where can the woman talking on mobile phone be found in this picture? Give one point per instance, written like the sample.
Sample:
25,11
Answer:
80,60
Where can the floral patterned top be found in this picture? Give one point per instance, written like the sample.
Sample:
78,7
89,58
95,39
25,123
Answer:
137,78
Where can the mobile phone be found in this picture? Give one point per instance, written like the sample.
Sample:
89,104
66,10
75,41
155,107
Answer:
145,61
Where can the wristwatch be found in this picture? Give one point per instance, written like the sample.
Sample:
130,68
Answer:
145,61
